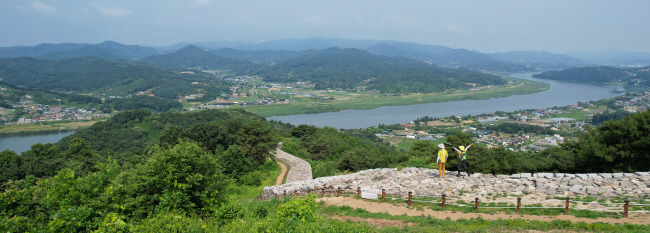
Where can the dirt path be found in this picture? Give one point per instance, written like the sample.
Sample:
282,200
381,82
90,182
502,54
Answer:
374,207
283,173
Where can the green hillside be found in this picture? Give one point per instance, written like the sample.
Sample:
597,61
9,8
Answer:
633,77
107,49
12,95
352,68
601,74
201,171
97,75
192,57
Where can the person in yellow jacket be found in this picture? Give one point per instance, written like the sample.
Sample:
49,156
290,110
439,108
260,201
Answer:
441,160
462,158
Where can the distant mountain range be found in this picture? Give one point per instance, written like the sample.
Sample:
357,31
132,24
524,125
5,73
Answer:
271,52
192,56
614,58
381,65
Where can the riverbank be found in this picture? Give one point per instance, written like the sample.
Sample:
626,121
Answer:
43,127
372,101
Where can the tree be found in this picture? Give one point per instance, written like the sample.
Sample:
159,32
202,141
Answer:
236,162
459,139
10,166
256,139
422,148
184,178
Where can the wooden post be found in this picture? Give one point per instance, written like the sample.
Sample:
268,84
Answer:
322,193
476,203
410,196
518,203
444,198
338,192
359,191
626,207
383,194
566,206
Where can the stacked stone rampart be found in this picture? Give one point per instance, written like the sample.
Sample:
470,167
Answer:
422,181
299,170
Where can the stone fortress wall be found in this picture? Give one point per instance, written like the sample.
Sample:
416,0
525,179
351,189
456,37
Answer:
423,181
299,170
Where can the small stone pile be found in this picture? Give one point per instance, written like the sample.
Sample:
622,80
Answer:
299,170
423,181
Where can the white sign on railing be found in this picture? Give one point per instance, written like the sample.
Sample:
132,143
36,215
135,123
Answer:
369,193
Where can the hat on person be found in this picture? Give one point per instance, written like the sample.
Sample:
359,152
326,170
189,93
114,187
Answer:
442,146
462,148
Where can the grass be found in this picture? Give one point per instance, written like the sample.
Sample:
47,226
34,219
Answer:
269,172
469,208
430,224
371,101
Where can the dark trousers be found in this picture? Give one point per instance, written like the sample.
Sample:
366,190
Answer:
462,163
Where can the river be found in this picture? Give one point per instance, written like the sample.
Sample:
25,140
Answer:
558,94
22,143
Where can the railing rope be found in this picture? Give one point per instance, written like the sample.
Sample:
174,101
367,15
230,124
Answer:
607,207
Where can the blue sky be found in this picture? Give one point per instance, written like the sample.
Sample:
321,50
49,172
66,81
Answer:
486,26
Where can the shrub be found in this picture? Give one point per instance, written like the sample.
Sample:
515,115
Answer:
303,209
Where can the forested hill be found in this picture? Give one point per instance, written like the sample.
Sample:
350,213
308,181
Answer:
601,74
265,57
90,74
350,68
191,56
106,49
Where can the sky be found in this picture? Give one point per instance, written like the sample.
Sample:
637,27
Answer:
486,26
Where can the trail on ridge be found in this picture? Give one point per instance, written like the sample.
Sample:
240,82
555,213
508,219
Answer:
283,173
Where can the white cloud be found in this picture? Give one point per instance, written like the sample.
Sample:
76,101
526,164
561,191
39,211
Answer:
202,2
42,7
113,11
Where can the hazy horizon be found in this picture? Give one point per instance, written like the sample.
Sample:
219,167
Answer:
485,26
